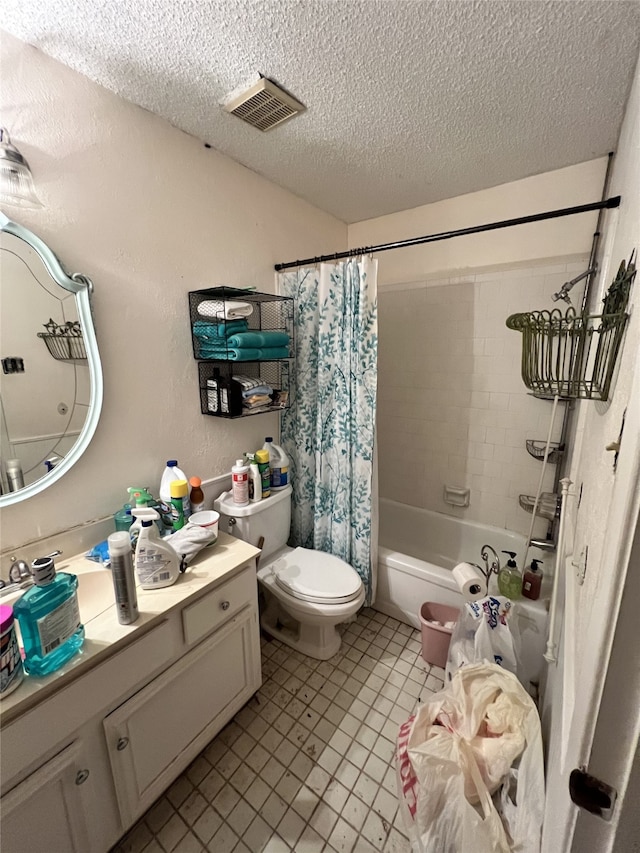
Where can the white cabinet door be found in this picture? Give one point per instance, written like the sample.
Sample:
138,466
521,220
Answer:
46,813
160,730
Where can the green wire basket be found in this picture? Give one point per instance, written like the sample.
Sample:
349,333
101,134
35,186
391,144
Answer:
574,355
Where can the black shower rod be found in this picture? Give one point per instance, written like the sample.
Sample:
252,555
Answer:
460,232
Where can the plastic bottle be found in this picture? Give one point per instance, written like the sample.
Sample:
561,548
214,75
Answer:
172,472
532,581
123,518
278,463
240,483
124,583
196,496
11,671
156,563
255,479
262,458
179,495
49,619
510,579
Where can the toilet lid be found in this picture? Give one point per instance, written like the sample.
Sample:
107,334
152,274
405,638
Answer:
317,577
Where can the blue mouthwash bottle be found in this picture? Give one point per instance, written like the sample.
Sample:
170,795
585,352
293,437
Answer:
49,619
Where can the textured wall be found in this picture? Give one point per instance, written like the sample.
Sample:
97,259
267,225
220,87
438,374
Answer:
149,214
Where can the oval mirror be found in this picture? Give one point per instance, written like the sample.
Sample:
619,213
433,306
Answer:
50,377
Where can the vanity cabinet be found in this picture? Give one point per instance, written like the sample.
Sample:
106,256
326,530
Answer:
154,735
80,767
48,811
221,356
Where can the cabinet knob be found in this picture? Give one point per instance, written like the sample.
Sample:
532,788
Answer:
123,743
81,776
225,605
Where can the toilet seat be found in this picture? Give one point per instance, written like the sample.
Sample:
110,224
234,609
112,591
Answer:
316,577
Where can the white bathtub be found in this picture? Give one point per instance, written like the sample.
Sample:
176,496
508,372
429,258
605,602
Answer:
416,553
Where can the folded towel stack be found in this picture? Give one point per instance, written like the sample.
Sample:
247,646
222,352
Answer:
230,341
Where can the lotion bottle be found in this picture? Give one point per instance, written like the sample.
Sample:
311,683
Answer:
532,581
240,483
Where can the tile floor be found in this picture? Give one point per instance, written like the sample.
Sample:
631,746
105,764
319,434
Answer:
308,764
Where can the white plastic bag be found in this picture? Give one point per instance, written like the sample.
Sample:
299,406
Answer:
478,737
484,632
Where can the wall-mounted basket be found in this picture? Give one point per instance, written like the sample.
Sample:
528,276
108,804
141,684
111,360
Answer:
537,448
571,355
64,347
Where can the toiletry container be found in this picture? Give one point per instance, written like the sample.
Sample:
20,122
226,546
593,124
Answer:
179,490
532,581
240,483
15,477
278,463
262,459
11,672
124,583
196,495
49,618
510,579
156,563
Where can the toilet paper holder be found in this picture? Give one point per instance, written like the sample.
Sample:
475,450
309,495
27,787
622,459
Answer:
491,563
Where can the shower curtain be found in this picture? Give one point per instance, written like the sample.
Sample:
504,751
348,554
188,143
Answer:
329,430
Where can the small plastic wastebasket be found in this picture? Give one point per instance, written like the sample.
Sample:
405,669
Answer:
436,638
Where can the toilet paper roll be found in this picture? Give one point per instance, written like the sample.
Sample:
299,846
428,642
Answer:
470,580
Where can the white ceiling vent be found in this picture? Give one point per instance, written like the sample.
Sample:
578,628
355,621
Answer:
263,105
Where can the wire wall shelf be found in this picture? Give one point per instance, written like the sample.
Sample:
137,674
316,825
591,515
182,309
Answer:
65,347
574,355
536,449
548,505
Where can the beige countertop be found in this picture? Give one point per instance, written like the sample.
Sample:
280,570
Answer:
104,635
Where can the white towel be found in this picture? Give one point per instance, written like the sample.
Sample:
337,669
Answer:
225,310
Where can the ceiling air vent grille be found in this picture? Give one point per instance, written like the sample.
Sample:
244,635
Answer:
264,105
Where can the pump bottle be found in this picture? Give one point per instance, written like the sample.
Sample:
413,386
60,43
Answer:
532,581
509,578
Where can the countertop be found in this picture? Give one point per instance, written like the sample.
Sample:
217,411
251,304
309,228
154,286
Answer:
105,636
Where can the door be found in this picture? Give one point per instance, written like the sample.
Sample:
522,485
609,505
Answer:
595,705
47,810
160,730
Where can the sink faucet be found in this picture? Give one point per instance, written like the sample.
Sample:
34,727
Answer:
20,574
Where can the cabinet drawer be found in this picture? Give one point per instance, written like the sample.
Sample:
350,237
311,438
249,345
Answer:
207,614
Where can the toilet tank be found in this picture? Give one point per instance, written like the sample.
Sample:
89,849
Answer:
269,518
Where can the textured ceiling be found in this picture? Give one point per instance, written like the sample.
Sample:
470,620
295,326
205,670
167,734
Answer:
408,101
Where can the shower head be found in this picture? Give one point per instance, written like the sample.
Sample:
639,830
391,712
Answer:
563,293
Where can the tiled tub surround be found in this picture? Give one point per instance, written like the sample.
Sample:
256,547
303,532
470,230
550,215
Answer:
308,764
452,407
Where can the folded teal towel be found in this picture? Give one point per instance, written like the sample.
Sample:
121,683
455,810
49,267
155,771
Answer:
259,339
243,353
219,331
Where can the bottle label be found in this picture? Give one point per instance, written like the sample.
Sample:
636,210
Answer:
240,491
279,477
197,507
10,661
527,586
152,566
57,627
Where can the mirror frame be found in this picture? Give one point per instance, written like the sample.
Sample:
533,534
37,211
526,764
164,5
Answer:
82,288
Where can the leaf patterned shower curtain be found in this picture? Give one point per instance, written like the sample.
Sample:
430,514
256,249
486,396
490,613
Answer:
329,431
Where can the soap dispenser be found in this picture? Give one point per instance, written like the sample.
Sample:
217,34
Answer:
509,578
532,581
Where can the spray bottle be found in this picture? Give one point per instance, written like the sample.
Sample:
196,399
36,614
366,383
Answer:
156,563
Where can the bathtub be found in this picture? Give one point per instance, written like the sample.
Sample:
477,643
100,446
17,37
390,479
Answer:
418,549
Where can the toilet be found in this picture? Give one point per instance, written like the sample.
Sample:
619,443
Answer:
307,593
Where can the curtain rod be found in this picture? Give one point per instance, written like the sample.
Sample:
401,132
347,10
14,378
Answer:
447,235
